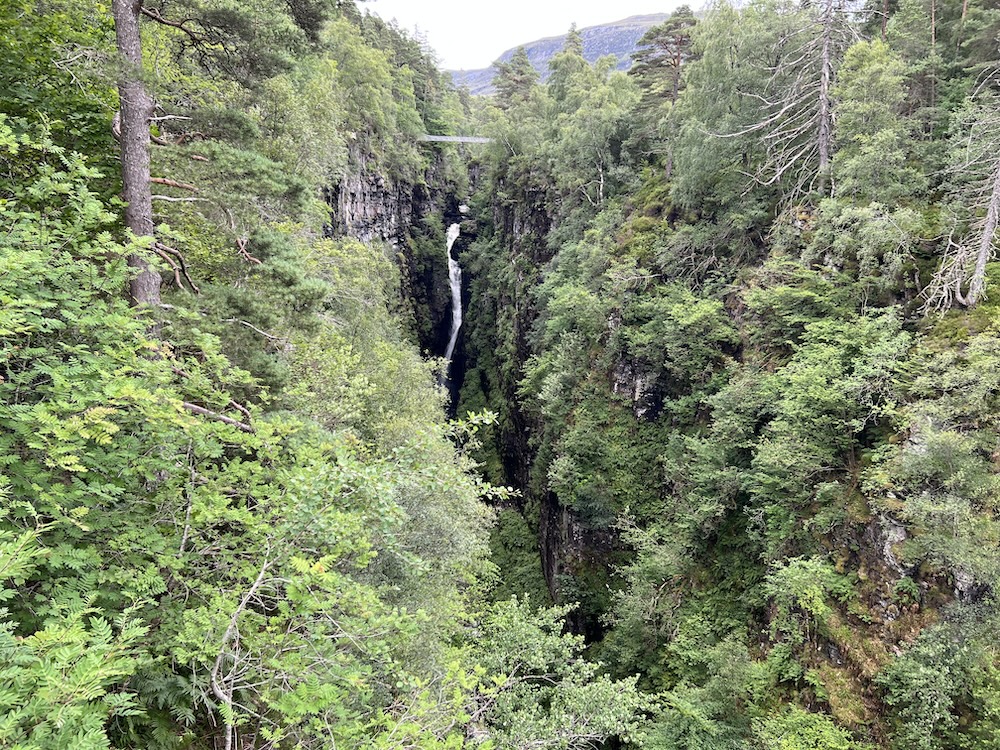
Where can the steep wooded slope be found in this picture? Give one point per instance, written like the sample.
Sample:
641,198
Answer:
723,309
233,514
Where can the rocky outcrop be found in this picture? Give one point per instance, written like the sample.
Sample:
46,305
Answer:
369,205
638,383
372,207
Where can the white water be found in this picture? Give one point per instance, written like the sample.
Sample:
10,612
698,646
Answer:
455,279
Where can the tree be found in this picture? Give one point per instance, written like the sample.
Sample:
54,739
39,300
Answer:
539,692
246,45
912,35
59,682
871,135
658,68
588,152
564,66
711,172
574,41
795,124
514,79
746,124
975,206
136,111
662,53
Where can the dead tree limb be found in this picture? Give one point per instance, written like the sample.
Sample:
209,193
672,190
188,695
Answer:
971,244
241,244
182,265
233,404
255,329
201,410
232,632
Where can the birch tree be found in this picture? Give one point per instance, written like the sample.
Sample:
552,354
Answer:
872,136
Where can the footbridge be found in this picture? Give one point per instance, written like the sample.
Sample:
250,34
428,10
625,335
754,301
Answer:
453,139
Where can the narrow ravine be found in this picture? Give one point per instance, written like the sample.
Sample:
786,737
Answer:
455,280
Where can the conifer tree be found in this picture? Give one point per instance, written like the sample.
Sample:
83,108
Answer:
135,113
662,53
795,124
514,79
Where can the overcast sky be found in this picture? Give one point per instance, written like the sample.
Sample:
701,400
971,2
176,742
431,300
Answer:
469,35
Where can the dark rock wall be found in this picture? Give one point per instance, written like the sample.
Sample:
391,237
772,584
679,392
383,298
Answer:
374,208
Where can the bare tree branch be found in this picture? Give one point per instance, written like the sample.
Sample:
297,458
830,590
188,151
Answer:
201,410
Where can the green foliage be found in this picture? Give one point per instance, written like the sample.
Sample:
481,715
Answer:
839,383
871,243
942,478
725,395
800,588
540,693
784,299
871,159
241,517
514,79
305,563
943,690
57,681
709,714
514,550
51,75
712,172
664,50
800,730
380,102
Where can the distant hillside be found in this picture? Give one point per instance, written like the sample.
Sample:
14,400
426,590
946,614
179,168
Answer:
619,39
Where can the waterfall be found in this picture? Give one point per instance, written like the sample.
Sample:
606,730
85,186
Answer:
455,279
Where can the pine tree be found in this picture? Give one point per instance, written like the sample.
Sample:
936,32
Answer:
663,51
136,111
514,79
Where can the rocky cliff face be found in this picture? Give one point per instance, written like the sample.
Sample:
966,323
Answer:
371,208
374,208
502,314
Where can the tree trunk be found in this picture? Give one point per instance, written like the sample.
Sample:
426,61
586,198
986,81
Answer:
136,111
961,24
825,134
675,87
978,281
